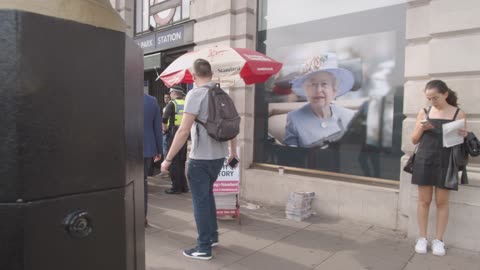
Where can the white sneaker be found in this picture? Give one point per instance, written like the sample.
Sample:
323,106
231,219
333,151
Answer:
421,245
438,248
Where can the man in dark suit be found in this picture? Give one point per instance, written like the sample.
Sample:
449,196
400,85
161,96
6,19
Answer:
152,139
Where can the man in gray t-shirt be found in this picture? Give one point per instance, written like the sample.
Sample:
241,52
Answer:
207,157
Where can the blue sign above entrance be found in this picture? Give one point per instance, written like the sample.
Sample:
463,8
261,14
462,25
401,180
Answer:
174,37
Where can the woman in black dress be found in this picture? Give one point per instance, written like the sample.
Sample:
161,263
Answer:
431,161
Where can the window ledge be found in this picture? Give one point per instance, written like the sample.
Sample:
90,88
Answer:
390,184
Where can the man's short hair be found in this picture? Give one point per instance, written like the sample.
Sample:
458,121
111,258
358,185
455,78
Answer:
202,68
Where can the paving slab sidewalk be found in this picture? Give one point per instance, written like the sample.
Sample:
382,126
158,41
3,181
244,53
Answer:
267,240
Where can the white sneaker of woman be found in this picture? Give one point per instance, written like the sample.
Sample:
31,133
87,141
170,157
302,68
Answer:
438,247
421,245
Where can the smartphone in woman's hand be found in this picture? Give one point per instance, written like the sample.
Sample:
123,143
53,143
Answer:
424,122
426,125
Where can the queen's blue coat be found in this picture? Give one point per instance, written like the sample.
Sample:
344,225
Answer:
305,129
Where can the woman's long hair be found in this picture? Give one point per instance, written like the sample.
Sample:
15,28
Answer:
442,88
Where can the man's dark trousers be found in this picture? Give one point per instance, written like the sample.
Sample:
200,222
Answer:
147,166
177,168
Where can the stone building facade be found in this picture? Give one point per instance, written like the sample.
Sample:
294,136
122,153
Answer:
440,39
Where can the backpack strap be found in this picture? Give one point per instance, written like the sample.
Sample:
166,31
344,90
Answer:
209,87
198,130
456,113
196,119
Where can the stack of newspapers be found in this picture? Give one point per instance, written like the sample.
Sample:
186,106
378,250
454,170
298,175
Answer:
299,205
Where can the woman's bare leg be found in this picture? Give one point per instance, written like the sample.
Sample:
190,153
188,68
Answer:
441,200
425,194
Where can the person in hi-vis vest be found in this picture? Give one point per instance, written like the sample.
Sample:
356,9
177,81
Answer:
172,118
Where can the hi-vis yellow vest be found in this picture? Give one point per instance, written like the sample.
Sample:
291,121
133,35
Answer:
178,104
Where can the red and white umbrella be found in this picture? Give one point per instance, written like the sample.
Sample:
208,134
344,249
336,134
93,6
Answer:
228,65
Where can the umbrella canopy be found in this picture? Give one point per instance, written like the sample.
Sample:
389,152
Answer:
228,64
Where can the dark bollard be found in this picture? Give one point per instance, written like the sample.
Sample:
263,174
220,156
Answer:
71,131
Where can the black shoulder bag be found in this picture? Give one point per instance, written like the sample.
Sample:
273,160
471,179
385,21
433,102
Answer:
472,145
409,165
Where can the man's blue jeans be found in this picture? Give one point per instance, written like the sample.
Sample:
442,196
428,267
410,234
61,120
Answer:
201,176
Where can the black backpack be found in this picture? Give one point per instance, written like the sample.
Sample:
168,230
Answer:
223,122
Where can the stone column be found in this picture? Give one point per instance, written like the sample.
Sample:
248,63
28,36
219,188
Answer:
125,8
443,43
71,114
231,23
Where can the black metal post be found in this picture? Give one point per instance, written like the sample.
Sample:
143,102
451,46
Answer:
71,134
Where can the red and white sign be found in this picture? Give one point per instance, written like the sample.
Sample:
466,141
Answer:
226,190
228,179
227,212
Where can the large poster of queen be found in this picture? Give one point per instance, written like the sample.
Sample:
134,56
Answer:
336,104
